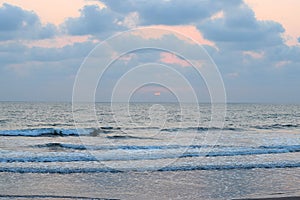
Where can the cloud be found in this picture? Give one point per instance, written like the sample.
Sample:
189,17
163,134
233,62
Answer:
76,50
232,24
239,29
173,12
93,20
37,73
32,81
170,58
15,52
233,74
16,23
251,54
283,53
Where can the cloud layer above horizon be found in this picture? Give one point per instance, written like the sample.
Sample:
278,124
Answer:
39,61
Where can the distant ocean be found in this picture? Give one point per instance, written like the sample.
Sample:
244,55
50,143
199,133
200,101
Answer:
156,152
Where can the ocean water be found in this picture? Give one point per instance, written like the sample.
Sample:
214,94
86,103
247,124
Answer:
148,150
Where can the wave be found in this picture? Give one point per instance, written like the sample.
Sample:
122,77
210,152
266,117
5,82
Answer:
121,147
246,150
49,132
176,129
145,128
109,128
50,197
3,120
127,153
127,137
62,145
40,132
62,170
51,125
67,158
229,167
58,132
276,126
257,151
56,170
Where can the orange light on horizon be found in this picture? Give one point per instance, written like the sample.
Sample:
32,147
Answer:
156,93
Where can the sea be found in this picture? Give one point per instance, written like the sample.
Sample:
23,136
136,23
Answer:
148,151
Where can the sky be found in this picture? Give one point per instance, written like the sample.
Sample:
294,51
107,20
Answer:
255,45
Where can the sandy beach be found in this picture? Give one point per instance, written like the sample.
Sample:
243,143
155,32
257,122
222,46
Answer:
274,198
215,184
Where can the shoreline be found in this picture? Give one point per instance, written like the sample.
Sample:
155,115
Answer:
273,198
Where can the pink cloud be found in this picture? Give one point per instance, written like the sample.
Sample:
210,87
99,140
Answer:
184,32
218,15
281,64
170,58
253,54
126,58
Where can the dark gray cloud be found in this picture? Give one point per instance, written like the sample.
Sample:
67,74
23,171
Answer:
283,53
16,23
239,29
93,20
173,12
236,29
16,53
76,50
